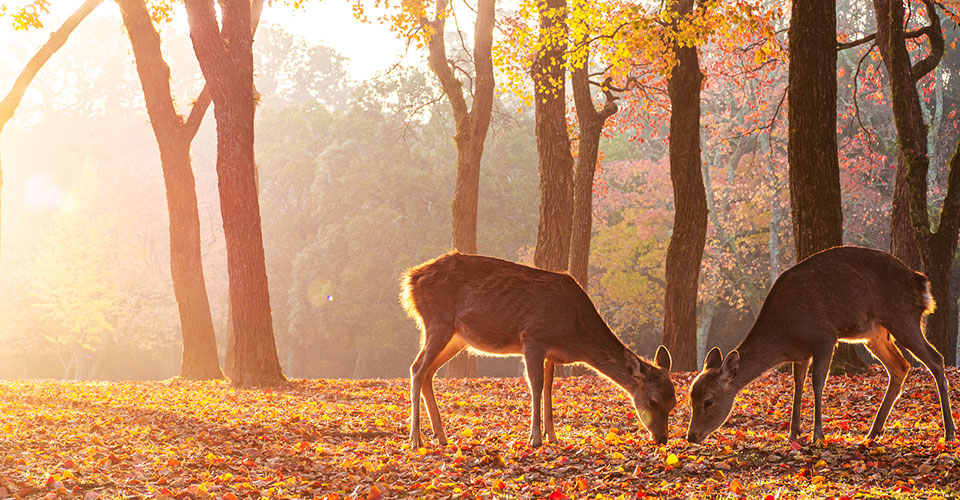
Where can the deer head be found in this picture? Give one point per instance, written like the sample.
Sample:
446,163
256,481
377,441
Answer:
653,394
712,394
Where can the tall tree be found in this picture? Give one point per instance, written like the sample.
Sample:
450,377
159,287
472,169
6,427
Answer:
471,126
590,120
690,203
903,243
174,136
812,138
11,101
553,143
936,248
225,52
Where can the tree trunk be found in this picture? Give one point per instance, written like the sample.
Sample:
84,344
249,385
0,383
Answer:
937,249
689,236
903,243
471,126
174,136
591,122
11,101
553,143
812,142
226,60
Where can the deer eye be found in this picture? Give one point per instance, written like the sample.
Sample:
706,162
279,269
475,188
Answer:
654,405
708,403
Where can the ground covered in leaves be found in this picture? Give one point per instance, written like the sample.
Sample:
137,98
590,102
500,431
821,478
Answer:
342,439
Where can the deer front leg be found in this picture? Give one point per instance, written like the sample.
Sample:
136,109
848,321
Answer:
534,360
548,371
821,368
799,375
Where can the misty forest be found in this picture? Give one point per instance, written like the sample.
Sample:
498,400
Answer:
212,216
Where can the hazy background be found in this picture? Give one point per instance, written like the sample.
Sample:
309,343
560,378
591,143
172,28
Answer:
356,171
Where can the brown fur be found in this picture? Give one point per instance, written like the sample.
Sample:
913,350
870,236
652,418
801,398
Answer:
503,308
843,294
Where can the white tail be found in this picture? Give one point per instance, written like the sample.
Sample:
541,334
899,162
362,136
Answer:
847,294
500,307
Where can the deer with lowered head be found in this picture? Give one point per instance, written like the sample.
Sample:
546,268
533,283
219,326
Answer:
845,294
501,308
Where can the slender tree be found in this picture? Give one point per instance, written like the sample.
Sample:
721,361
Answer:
903,243
689,236
812,139
9,104
590,120
174,136
225,52
936,248
471,131
553,143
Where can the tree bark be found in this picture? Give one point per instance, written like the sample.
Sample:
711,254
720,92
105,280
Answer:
471,132
11,101
812,141
685,250
553,143
174,136
590,121
903,244
937,249
225,55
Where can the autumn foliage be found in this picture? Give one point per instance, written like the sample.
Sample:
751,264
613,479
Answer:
348,439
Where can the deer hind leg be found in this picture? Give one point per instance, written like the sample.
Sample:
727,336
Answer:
897,367
799,374
436,339
820,369
534,359
911,337
548,371
452,349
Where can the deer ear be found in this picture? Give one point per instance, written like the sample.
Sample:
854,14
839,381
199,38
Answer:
663,358
634,365
731,364
714,359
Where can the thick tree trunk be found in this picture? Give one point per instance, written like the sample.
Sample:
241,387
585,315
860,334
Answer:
812,143
226,60
11,101
812,147
553,143
685,251
174,136
937,249
471,126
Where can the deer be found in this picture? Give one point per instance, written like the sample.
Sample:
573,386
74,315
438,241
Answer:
493,306
842,294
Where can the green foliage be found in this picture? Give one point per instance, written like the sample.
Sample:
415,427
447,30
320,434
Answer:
351,198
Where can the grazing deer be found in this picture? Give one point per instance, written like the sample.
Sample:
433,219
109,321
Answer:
502,308
847,294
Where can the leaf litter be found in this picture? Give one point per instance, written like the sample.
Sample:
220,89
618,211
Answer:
339,439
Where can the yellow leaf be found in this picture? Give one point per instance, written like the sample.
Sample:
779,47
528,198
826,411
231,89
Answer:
672,459
468,432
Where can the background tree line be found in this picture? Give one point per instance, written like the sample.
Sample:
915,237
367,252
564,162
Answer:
355,182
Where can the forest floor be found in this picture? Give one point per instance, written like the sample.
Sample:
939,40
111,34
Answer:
342,439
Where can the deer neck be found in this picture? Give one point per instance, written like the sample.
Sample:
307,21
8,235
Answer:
756,358
612,364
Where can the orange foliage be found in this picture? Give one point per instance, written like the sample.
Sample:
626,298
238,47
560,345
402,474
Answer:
348,439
